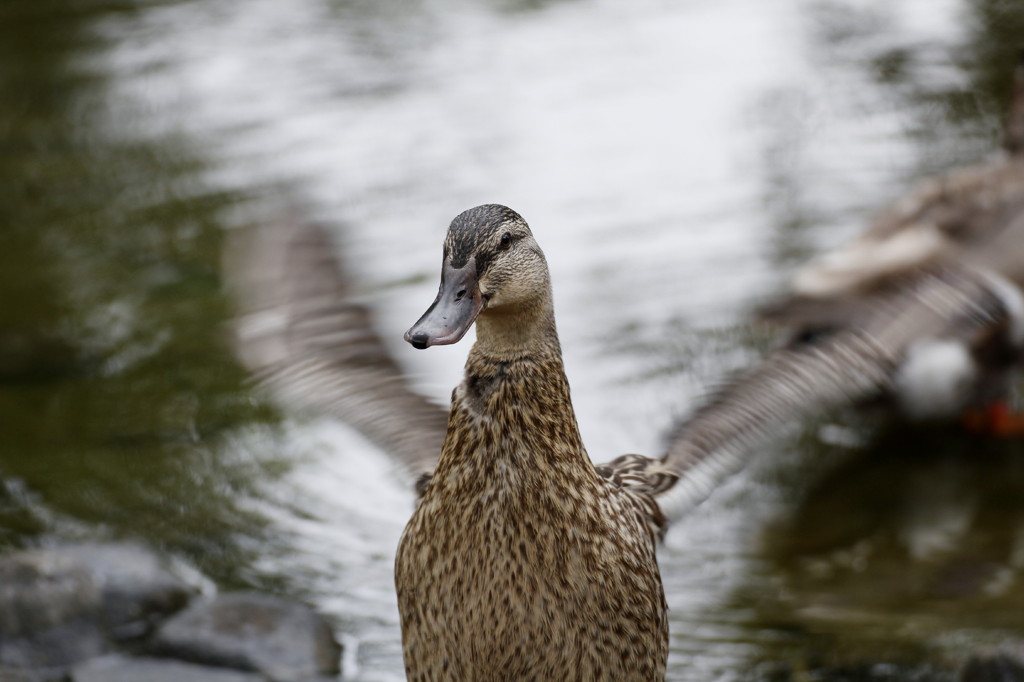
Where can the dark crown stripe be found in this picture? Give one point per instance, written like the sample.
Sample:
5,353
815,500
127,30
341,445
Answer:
471,228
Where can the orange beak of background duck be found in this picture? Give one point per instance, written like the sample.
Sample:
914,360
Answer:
458,303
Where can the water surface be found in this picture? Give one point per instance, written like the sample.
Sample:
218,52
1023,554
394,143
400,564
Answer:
675,160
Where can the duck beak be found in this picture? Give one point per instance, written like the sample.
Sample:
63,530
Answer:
453,312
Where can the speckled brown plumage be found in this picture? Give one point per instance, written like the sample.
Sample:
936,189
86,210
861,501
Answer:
521,561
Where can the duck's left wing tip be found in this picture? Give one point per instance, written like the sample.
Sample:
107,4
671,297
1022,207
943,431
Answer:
305,338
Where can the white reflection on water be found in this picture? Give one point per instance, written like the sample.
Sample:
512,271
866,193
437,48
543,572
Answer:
645,142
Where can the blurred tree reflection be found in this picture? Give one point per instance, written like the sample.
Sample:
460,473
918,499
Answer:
117,387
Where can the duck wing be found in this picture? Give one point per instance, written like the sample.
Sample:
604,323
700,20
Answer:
946,261
306,340
806,379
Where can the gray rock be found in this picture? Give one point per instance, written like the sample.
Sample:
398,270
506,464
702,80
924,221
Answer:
50,612
138,588
286,641
66,604
11,675
121,669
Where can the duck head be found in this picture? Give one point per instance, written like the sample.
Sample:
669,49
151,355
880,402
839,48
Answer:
492,266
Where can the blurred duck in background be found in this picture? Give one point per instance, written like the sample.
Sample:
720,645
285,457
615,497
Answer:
923,312
936,281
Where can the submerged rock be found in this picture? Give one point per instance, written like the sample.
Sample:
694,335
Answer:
284,640
121,669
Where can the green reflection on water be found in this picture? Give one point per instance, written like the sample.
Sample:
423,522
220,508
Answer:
119,394
896,560
118,389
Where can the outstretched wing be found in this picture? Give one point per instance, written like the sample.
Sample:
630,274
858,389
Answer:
304,338
935,265
802,380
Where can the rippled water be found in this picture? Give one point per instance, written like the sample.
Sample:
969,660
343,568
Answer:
675,161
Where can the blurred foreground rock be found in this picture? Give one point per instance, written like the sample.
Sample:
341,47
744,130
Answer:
51,613
118,668
287,642
78,612
137,588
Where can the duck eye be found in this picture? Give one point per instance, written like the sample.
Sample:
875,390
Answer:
506,240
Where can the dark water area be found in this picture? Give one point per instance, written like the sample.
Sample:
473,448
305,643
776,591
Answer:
118,387
133,136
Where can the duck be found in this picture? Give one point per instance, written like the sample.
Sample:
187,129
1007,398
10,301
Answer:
523,560
939,276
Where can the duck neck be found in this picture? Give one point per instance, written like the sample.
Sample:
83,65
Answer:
512,416
506,334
